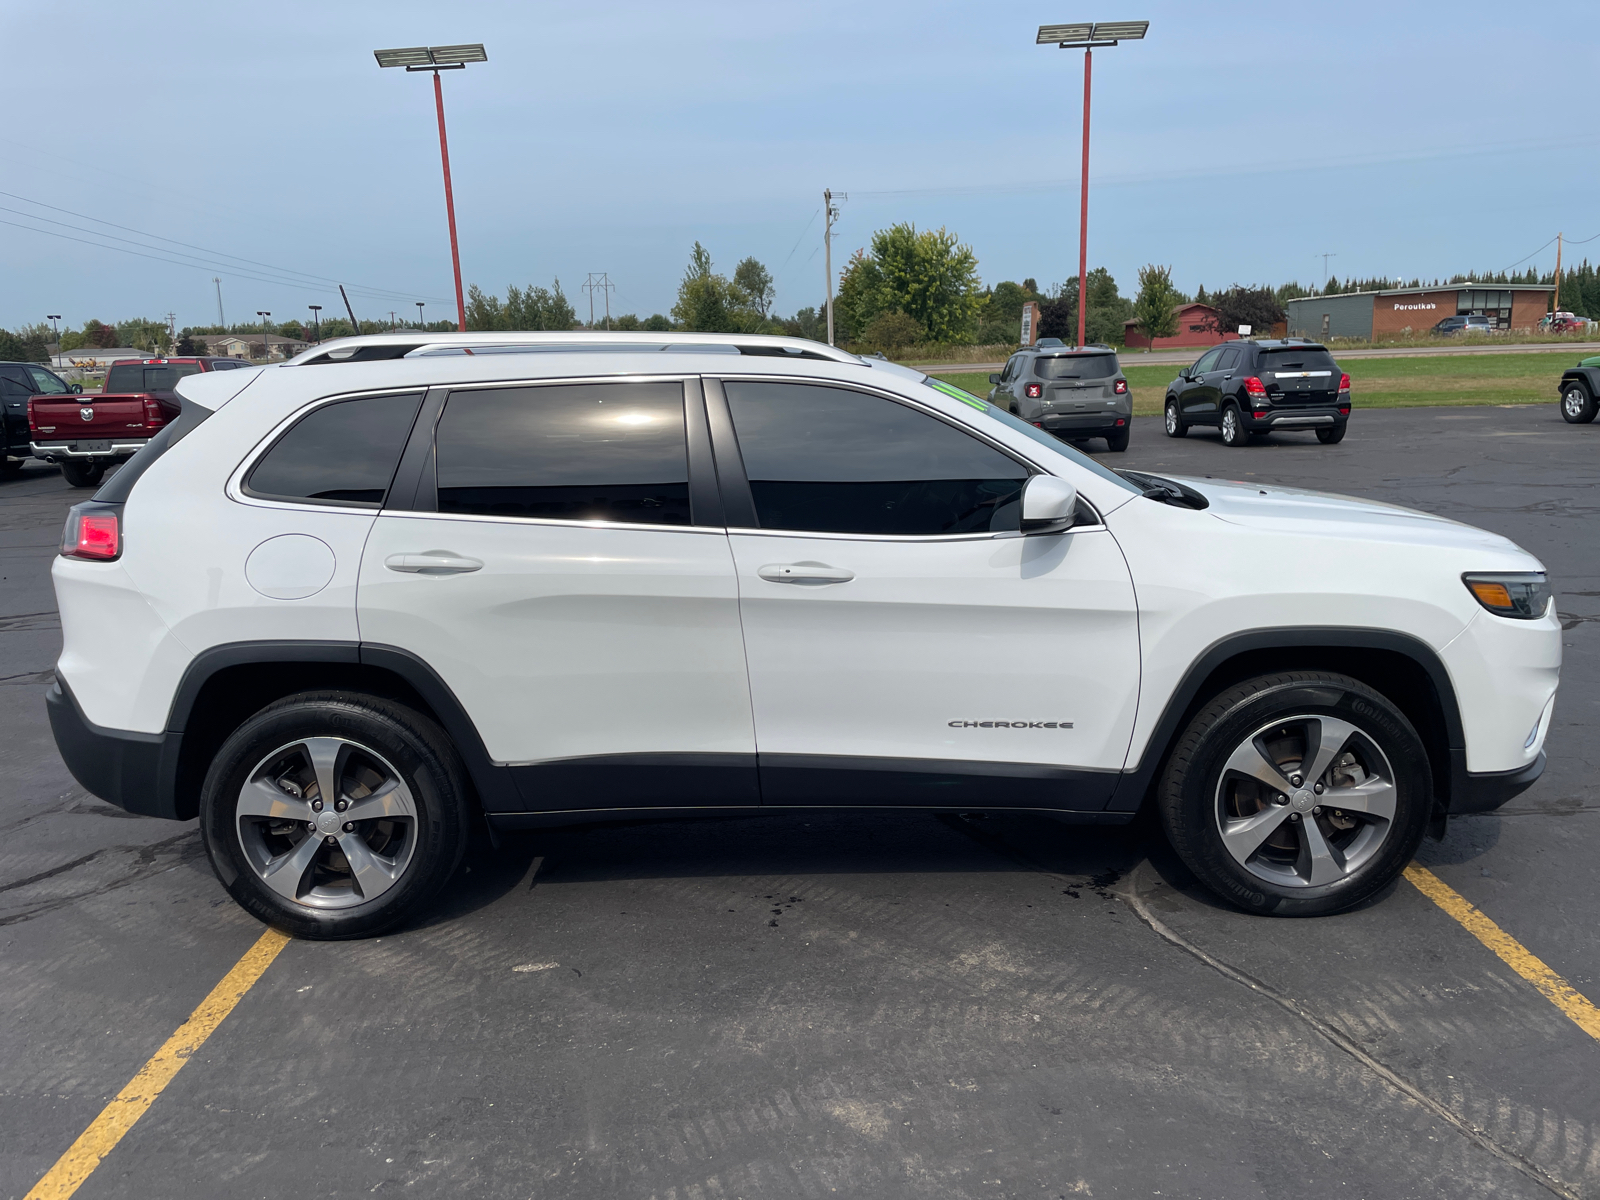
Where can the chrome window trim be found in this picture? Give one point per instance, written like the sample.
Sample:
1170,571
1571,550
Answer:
507,520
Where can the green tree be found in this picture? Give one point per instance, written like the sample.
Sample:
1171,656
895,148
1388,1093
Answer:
1156,306
807,323
929,276
1255,307
530,308
708,302
755,281
892,332
101,337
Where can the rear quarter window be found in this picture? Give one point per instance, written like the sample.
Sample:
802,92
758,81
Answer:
344,453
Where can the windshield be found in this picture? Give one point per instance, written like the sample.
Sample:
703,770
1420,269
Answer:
1038,435
1076,366
143,377
1294,358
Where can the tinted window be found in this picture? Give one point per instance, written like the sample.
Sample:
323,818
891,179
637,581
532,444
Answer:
343,453
585,452
137,377
1296,359
1208,361
836,461
47,383
1076,366
1229,359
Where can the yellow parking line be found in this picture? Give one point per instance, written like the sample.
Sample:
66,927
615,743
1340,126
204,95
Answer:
131,1103
1513,953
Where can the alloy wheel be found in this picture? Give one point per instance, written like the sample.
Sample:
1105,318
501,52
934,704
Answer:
1172,420
1573,403
1305,801
327,823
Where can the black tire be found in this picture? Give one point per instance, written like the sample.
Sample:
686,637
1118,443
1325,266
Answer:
10,468
1172,419
1331,436
418,847
1118,441
1233,430
1275,718
1578,407
82,474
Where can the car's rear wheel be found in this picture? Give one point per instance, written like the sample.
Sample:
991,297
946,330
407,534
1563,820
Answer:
1118,441
1331,436
82,474
334,814
1174,424
1297,794
1578,407
1233,431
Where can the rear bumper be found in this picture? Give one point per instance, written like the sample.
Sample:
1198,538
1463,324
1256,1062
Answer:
135,771
1296,418
1083,424
56,451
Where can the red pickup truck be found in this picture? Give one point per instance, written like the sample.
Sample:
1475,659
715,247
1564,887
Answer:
88,433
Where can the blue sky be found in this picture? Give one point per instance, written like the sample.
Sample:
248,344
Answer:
1237,143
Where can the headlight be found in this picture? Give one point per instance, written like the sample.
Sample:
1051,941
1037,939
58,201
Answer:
1524,595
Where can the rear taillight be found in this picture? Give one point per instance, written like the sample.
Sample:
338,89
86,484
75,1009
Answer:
1122,387
33,425
93,531
152,412
1344,383
1033,390
1254,386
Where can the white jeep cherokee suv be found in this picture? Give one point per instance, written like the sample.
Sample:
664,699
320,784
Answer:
341,607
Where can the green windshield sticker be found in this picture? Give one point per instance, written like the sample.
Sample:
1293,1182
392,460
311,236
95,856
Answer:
955,393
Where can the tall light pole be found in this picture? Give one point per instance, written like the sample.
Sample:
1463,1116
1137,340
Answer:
436,59
316,321
266,346
419,314
1088,35
53,318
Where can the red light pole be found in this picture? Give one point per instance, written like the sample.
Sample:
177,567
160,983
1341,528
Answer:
436,59
1088,35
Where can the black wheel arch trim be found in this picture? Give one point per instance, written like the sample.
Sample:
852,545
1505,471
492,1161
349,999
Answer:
1136,781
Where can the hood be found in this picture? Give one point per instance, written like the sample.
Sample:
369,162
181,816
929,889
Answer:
1290,510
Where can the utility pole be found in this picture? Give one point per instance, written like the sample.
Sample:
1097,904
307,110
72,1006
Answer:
391,321
345,296
316,321
172,330
1556,301
221,320
1325,257
830,215
599,281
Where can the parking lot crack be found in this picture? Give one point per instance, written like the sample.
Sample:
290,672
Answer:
1342,1041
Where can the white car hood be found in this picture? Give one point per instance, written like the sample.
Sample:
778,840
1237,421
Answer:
1295,510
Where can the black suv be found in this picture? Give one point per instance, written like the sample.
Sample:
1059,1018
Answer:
1250,388
1071,391
18,381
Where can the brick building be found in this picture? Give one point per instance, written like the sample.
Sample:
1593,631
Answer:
1372,316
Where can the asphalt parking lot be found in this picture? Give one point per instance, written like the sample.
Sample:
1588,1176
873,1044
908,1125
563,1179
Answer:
866,1005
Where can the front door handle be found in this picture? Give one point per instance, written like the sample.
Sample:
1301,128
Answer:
434,562
805,573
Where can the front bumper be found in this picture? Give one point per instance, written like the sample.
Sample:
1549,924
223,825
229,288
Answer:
56,451
1487,790
135,771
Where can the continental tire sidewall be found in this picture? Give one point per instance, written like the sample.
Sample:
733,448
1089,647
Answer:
410,743
1187,797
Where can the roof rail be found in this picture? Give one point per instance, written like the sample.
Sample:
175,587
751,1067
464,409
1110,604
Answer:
415,344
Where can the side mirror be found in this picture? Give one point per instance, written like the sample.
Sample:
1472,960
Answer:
1048,504
994,377
78,388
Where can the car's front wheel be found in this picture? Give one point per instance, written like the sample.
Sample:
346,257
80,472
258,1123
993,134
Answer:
1297,794
1174,420
334,814
1578,407
1233,430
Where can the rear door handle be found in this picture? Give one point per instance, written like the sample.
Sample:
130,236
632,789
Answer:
434,562
805,573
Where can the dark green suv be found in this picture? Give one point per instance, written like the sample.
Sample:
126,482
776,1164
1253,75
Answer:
1074,392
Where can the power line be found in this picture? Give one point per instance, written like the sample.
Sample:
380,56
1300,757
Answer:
796,245
1526,257
220,254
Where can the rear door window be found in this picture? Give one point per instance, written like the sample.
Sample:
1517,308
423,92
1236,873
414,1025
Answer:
1208,361
343,453
830,460
568,452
